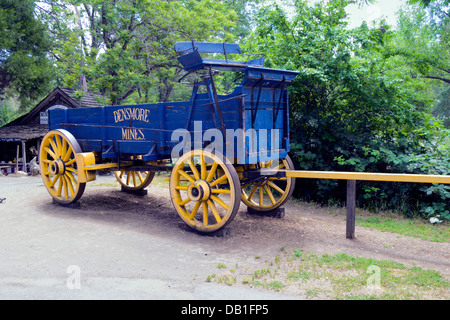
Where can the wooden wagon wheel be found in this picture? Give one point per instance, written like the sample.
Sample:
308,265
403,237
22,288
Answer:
205,190
58,166
134,180
270,192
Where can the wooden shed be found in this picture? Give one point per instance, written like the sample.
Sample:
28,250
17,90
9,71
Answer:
20,139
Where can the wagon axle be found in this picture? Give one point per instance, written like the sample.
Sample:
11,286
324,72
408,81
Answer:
57,167
199,191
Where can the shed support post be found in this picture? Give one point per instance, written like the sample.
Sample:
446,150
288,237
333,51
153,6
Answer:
351,205
24,157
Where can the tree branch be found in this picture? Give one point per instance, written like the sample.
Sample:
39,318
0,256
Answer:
438,78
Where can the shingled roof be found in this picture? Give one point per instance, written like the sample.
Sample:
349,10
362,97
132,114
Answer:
88,100
22,132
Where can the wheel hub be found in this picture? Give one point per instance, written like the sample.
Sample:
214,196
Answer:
199,191
57,167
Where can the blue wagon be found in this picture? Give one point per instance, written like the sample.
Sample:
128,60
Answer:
220,149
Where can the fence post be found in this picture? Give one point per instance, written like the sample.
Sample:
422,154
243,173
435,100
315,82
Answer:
351,205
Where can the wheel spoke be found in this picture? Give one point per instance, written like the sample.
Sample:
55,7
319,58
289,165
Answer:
59,146
205,213
60,185
140,177
212,172
69,183
187,176
45,169
223,191
71,177
219,180
68,163
193,169
261,196
184,202
214,211
203,167
134,177
250,196
220,201
269,193
273,185
64,148
69,154
66,189
55,149
50,152
194,210
71,169
53,181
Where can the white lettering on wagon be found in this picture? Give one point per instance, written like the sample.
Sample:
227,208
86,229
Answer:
125,114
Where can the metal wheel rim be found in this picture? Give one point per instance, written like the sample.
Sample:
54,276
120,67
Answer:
58,166
207,198
134,180
269,193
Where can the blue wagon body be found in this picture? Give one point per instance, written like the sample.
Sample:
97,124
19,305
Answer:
220,149
256,112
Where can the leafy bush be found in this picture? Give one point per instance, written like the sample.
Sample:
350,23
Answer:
355,107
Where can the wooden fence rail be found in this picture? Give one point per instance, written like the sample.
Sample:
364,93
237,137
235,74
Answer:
352,177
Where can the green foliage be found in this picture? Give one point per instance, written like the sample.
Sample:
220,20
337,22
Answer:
5,115
442,109
355,106
125,47
25,69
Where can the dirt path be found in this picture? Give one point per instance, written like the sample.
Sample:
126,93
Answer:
304,226
114,236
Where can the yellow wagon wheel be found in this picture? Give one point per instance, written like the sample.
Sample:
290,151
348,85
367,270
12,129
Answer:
58,166
134,180
270,192
205,190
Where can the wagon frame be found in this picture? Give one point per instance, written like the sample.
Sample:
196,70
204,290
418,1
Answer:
206,186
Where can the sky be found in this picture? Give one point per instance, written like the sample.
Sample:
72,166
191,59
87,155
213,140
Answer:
385,9
380,9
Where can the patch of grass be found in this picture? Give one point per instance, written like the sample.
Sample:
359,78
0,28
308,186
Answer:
161,179
417,228
341,276
112,183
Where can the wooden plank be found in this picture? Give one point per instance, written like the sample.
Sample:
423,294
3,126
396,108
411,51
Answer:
367,176
208,47
351,206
